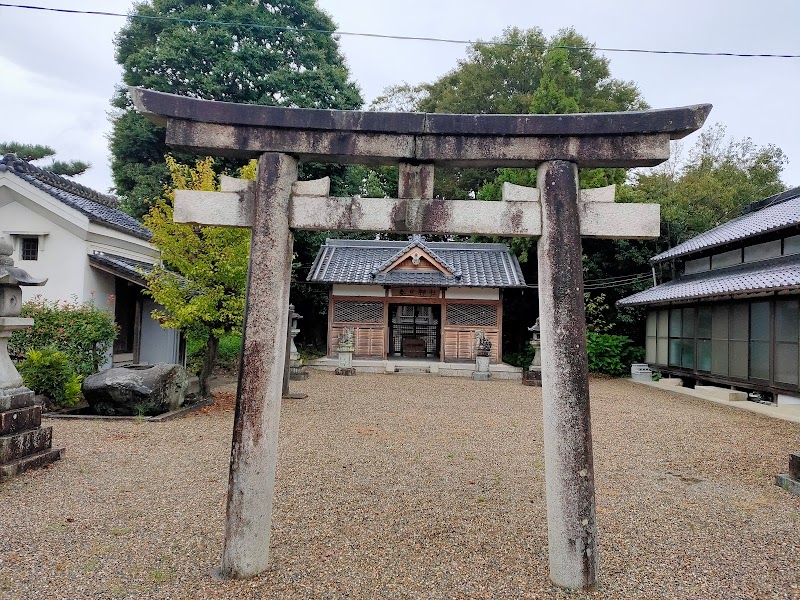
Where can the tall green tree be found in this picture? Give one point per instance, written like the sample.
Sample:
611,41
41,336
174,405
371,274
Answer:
35,152
201,284
247,51
524,72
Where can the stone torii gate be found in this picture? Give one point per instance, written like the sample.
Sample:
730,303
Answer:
557,213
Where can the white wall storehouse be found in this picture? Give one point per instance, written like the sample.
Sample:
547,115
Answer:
89,250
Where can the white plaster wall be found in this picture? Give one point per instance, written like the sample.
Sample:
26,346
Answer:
98,286
359,290
62,254
472,293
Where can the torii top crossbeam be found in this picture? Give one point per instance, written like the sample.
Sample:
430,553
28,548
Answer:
621,139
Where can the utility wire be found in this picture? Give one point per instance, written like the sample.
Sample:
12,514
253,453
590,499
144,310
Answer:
388,36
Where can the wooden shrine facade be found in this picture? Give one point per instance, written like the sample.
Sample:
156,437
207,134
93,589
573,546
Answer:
416,299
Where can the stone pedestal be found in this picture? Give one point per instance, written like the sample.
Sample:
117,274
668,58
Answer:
345,350
532,377
481,372
345,361
24,444
9,377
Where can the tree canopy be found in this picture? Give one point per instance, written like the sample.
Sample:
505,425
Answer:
254,52
523,72
34,152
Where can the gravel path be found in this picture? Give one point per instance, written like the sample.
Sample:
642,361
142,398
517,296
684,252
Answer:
404,486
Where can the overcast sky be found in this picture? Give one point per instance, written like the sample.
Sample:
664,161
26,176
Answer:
57,71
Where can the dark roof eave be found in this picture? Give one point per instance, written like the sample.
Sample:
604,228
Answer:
716,296
435,285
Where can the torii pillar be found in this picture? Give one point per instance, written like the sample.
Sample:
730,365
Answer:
557,213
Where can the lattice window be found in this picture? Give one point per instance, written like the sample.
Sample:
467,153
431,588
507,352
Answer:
353,311
478,315
30,248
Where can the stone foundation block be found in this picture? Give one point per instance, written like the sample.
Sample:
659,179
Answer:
671,382
718,393
788,483
13,421
347,371
14,398
532,377
34,461
18,445
481,376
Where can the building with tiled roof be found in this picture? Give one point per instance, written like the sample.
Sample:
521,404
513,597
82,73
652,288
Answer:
732,315
88,249
416,298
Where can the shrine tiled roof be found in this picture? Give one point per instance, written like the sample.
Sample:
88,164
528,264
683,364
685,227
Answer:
762,276
467,264
771,214
99,208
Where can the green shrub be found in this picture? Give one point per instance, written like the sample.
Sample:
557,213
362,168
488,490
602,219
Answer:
612,354
230,346
83,332
49,372
521,359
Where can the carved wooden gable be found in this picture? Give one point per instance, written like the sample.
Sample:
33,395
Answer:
417,256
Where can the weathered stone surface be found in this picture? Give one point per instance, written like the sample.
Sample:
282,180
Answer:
13,421
9,376
411,215
18,445
13,398
794,466
569,468
789,483
415,181
26,463
678,122
255,431
137,389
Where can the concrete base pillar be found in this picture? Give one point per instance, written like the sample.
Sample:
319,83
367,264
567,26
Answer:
258,402
569,471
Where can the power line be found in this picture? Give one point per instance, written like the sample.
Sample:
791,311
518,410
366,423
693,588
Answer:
393,37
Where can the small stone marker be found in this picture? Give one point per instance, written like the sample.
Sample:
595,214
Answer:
24,444
791,481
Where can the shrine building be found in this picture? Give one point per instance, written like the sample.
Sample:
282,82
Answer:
416,299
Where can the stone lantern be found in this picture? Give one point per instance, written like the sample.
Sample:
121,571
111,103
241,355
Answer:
11,278
24,443
297,372
533,376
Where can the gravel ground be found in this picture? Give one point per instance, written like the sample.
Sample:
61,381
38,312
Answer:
412,487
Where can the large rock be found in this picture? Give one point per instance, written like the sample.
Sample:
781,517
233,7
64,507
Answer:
136,389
